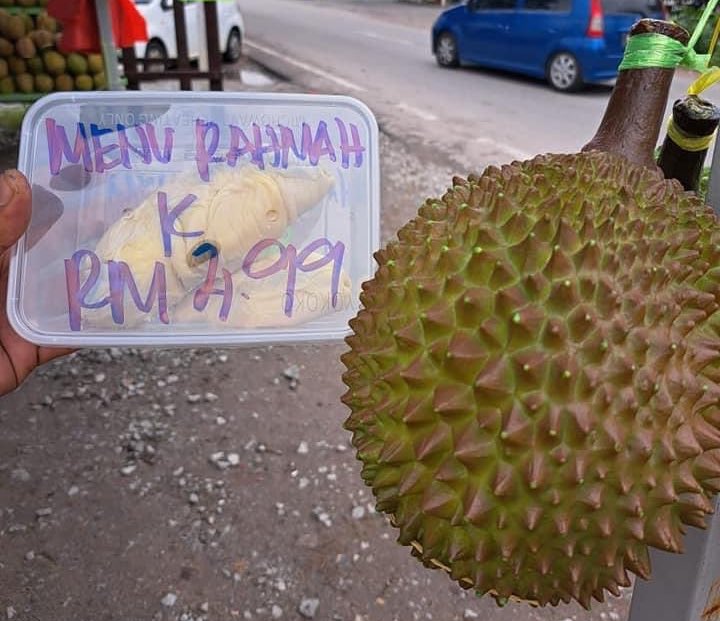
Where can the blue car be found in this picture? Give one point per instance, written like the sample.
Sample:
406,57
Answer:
567,42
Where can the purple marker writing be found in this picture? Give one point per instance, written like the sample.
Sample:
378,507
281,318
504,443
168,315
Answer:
202,295
168,218
94,146
120,279
313,144
289,259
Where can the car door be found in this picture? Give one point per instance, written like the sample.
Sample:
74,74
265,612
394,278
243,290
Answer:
539,25
486,30
620,15
227,12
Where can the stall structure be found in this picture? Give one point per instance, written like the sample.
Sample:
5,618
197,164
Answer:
88,45
180,68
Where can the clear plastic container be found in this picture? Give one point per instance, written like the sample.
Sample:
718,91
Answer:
189,218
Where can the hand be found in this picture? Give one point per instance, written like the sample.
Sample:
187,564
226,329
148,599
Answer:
18,358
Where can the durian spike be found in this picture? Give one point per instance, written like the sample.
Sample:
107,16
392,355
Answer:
633,116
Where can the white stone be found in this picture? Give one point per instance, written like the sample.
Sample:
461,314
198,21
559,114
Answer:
358,512
20,474
308,607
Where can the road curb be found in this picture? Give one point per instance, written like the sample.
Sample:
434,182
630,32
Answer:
273,66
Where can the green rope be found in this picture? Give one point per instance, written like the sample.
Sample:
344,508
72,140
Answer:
697,33
656,50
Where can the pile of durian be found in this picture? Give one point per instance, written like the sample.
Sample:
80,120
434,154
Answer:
24,3
30,61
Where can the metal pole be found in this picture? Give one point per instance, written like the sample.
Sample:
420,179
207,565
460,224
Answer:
682,587
713,194
107,43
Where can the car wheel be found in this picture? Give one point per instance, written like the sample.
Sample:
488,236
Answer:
233,48
155,56
564,72
446,50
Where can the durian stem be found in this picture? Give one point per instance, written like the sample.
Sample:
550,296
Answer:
633,117
695,119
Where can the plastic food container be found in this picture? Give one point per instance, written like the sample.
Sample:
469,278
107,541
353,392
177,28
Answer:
194,219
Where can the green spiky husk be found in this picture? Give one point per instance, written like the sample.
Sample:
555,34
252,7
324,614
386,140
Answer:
533,377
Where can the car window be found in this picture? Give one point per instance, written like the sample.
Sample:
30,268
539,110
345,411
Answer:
638,7
486,5
548,5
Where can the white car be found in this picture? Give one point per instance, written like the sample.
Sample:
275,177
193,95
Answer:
161,43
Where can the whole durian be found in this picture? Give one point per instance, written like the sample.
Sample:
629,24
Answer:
534,376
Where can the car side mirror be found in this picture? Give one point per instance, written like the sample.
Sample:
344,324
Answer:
166,5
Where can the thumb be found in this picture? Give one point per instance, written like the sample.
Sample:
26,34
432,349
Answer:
15,208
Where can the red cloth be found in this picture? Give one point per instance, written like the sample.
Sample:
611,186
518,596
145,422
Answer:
80,32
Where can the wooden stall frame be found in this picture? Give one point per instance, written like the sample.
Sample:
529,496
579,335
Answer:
183,72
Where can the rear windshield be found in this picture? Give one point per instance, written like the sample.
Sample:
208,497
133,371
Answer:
637,7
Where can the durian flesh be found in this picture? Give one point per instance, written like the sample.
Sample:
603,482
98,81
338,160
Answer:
265,301
533,377
232,213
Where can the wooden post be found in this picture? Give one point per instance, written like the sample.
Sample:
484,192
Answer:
130,66
213,36
182,46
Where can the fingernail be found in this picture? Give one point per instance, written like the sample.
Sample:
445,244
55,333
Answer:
9,185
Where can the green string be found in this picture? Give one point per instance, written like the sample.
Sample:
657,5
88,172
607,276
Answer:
656,50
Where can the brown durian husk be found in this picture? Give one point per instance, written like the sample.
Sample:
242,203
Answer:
628,131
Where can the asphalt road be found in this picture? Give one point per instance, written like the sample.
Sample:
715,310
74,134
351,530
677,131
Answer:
476,115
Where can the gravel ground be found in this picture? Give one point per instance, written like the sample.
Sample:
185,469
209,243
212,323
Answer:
203,485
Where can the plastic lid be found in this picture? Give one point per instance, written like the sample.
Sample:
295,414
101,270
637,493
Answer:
186,218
